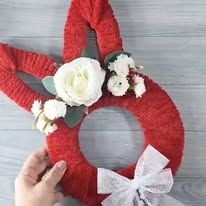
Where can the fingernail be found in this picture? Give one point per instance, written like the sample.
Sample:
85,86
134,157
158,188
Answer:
62,165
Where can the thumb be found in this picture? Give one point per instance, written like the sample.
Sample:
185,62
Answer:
52,178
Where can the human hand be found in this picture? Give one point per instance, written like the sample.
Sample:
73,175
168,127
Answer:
35,187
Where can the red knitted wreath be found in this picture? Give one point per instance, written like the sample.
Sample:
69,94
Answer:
156,112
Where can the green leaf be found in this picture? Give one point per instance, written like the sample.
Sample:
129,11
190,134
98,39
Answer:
74,115
113,56
89,53
49,85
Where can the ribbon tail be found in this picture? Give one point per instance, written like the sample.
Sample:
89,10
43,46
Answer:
169,201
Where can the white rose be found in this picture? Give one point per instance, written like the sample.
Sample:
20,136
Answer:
44,126
36,108
139,87
54,109
118,85
80,82
121,65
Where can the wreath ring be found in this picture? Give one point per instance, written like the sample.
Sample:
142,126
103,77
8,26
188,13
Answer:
155,111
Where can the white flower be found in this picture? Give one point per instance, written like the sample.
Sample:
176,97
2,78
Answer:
54,109
80,82
139,87
36,108
121,65
44,125
50,129
118,85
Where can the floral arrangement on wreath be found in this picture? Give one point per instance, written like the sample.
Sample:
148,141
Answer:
79,84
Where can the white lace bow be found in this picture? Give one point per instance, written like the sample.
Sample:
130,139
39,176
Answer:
148,188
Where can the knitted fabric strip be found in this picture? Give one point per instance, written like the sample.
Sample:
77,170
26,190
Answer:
13,60
97,14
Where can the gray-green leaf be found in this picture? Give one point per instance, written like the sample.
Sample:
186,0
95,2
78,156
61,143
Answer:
74,115
113,56
89,53
49,85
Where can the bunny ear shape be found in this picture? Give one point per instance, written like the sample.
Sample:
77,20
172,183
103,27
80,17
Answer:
13,60
6,58
97,14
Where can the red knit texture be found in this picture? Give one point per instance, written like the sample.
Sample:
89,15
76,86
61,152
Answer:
13,60
97,14
158,115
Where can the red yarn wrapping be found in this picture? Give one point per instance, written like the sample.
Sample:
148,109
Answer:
13,60
156,112
97,14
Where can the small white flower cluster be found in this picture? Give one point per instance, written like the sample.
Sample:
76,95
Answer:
80,83
119,83
46,114
122,65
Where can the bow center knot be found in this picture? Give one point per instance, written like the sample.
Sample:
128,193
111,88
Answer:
137,184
